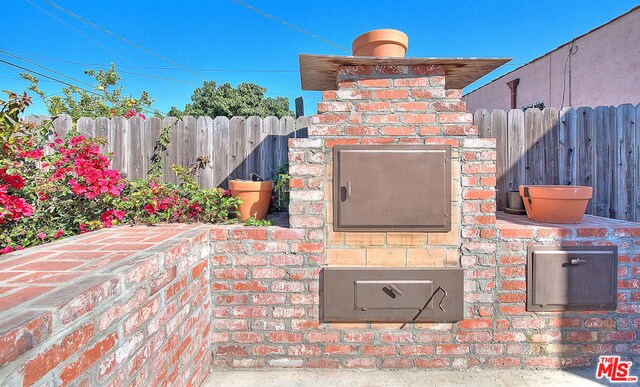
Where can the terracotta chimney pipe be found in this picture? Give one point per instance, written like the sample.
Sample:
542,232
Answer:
513,86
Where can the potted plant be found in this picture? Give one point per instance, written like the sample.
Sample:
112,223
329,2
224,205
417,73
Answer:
255,195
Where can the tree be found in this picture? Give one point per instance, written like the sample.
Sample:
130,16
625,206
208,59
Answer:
247,100
105,100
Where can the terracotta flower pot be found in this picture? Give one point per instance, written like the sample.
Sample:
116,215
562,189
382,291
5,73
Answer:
383,42
556,203
255,196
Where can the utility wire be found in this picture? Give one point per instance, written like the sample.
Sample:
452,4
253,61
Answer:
64,82
45,68
89,38
105,30
157,77
89,64
263,13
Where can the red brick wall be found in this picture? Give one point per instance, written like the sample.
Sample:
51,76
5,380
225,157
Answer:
266,299
130,305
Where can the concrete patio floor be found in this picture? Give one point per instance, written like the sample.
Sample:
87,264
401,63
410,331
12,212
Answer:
337,378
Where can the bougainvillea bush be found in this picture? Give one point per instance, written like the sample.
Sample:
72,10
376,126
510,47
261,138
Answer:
52,187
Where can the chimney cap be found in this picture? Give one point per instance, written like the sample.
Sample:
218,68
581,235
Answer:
320,72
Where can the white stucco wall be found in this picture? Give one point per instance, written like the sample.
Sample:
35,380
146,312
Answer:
605,70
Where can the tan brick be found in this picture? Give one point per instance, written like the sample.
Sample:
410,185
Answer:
386,257
455,191
335,238
406,239
455,169
455,213
330,214
452,257
346,257
434,256
348,326
364,238
450,238
394,326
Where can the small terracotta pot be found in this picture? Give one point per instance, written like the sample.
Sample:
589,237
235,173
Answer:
255,196
383,42
556,203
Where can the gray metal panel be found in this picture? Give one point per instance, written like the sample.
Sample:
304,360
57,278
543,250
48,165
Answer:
392,188
572,278
339,303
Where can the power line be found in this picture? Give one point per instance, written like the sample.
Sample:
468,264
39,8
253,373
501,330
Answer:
263,13
63,82
104,47
157,77
44,68
41,58
105,30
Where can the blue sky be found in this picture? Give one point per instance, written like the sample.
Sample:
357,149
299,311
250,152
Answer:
226,42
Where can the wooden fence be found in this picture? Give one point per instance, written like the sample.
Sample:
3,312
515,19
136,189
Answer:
597,147
234,147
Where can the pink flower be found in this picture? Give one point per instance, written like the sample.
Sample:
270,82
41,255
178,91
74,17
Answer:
130,113
76,140
58,234
42,235
150,209
6,250
142,116
34,154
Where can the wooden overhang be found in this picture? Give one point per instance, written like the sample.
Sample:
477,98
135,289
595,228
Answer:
320,72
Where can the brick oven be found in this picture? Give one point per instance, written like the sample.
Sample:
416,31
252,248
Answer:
416,182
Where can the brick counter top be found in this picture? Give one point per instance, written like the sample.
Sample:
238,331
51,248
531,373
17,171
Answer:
520,226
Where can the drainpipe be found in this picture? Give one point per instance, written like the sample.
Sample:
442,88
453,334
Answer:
513,86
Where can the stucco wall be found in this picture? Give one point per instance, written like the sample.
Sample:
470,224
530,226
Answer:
605,70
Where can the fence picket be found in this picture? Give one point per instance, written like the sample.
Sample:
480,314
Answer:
585,149
498,130
204,146
268,165
625,136
603,161
550,127
236,147
567,146
516,150
221,152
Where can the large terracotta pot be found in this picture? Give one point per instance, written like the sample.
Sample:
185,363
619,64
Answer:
255,196
556,203
383,42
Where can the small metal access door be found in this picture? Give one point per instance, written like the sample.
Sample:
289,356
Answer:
392,188
572,278
357,294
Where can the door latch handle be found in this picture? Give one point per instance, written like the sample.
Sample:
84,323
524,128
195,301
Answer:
395,289
578,261
348,189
